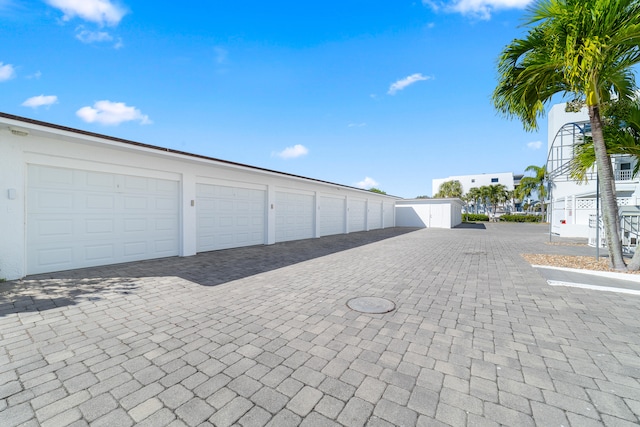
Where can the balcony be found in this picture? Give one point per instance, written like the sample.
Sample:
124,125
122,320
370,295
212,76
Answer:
624,175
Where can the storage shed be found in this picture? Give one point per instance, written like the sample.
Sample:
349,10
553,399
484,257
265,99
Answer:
429,213
72,199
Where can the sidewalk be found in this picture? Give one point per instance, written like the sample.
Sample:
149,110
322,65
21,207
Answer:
262,336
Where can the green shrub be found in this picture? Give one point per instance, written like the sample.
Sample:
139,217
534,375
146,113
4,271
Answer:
521,218
469,217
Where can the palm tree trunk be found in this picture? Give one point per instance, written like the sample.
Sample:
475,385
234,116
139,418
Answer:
607,191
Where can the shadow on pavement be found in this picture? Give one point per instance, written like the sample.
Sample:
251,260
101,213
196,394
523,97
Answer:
51,290
472,225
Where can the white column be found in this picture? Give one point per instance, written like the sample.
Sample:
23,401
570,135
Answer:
366,215
271,216
318,212
189,216
346,215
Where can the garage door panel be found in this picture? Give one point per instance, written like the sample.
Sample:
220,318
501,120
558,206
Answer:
136,203
97,201
50,200
56,228
103,252
99,180
229,217
84,227
52,177
99,227
132,249
136,183
55,257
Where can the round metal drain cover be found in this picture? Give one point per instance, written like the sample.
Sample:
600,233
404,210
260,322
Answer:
373,305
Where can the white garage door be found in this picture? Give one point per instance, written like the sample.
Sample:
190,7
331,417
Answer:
294,216
388,217
357,215
332,218
375,215
78,218
229,217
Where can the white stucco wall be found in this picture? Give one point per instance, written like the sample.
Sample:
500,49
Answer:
67,149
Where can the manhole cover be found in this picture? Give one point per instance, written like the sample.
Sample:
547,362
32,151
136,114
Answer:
371,305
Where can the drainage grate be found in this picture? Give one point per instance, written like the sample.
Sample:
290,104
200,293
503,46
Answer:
373,305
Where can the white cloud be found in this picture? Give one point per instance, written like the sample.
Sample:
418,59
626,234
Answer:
221,54
293,152
40,100
102,12
35,75
367,183
112,113
480,9
87,36
534,145
7,72
403,83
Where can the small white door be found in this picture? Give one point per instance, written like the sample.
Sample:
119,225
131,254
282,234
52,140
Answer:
229,217
294,216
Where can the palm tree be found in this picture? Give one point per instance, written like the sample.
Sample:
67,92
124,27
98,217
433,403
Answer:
474,194
449,189
622,136
534,184
622,133
496,194
586,48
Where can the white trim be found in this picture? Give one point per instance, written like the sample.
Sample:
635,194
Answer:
593,287
608,274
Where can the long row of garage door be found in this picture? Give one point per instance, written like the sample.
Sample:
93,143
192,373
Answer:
78,218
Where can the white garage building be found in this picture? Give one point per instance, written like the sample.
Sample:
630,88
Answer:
72,199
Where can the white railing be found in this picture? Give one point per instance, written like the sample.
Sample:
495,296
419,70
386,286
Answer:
629,226
624,175
592,231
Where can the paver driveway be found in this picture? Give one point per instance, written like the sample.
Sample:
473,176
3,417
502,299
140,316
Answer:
478,338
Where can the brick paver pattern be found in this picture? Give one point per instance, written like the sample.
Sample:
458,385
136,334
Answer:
262,336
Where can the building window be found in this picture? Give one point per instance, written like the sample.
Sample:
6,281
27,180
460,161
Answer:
494,179
473,180
625,166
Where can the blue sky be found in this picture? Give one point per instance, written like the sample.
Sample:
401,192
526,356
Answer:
385,93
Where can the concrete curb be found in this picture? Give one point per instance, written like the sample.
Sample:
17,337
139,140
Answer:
611,275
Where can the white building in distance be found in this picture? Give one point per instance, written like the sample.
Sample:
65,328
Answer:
508,179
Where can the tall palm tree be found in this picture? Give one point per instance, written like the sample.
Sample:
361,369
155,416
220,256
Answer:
534,184
586,48
449,189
